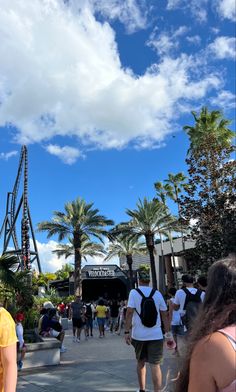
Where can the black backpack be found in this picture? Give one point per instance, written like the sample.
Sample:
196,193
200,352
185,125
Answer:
149,313
88,312
191,307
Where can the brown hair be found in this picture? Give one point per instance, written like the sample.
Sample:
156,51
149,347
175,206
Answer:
218,310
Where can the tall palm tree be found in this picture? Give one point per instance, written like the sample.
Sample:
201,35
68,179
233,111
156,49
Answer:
162,190
174,186
126,247
146,222
79,219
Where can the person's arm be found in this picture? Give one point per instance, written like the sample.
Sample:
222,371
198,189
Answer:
128,324
19,333
165,320
8,357
176,304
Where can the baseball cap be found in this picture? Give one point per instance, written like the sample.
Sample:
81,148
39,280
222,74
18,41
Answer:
20,317
48,305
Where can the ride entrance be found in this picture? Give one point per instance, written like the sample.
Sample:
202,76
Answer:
17,228
109,282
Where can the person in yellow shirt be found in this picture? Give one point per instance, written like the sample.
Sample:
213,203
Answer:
101,312
8,339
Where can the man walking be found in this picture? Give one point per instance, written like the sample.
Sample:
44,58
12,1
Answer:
187,300
147,306
76,313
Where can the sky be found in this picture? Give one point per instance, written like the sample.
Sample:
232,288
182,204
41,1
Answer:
99,91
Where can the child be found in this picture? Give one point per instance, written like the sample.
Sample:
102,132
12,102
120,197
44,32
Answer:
177,327
21,348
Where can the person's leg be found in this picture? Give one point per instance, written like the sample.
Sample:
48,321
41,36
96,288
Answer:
91,326
103,326
74,328
156,377
141,371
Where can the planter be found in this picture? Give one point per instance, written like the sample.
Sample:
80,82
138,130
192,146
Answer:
42,352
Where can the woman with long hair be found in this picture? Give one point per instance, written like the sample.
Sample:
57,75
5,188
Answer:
210,359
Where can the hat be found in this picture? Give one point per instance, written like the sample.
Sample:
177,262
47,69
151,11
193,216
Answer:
48,305
144,274
20,317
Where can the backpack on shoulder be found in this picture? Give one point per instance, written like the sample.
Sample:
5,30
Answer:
88,312
149,313
191,307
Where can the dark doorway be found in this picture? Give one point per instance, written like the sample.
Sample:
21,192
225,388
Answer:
92,289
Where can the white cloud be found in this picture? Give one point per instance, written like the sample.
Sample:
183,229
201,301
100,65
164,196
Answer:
223,47
166,42
6,155
194,39
133,14
67,154
70,81
196,7
227,9
225,100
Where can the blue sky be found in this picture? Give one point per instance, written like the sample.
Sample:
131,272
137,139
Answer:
100,90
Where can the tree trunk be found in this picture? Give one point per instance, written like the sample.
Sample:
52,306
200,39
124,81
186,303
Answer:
173,258
150,245
77,271
169,272
129,260
162,282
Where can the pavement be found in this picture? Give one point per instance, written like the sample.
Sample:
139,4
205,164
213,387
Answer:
101,365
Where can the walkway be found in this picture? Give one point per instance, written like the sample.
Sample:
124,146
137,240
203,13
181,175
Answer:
101,365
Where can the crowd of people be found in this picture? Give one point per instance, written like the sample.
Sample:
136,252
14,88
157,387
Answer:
201,313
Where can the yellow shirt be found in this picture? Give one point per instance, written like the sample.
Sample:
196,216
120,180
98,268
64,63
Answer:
101,311
7,336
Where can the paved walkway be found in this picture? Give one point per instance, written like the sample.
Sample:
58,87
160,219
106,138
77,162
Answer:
101,365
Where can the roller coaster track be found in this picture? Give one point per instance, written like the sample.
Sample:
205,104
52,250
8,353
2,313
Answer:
25,255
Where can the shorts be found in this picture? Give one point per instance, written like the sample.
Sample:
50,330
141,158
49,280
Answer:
177,330
150,351
77,323
101,321
89,322
53,333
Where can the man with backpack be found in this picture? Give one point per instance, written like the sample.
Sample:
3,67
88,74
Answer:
89,313
146,307
188,300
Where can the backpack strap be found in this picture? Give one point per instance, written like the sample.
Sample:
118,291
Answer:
188,294
152,293
140,292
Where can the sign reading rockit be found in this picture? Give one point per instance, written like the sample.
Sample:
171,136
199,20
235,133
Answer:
101,273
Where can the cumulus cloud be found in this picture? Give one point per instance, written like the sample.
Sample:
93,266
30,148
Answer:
70,81
67,154
225,100
227,9
196,7
6,155
51,263
223,47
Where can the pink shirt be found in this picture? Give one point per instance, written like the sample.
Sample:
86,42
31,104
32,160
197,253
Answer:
230,333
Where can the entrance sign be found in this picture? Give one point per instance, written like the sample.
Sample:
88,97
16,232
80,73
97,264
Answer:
101,273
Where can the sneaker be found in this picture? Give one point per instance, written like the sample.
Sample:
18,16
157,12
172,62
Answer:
78,340
74,339
20,365
62,350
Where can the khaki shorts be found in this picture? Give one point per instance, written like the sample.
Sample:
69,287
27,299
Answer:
150,351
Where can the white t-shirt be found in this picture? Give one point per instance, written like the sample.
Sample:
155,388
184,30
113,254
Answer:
176,316
180,297
139,331
19,334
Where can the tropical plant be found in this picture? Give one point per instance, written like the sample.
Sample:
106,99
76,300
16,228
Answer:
79,219
127,247
148,220
209,203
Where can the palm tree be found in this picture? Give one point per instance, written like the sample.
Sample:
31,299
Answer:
88,248
126,247
146,222
209,124
162,191
79,219
174,185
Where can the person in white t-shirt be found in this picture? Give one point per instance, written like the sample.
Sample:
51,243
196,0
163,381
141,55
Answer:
147,342
177,327
180,296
